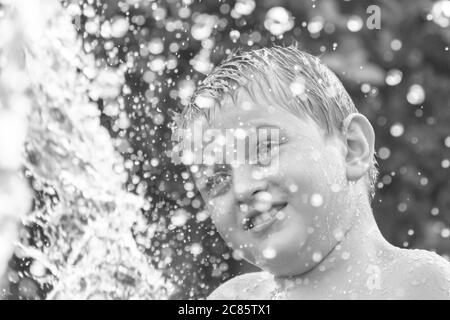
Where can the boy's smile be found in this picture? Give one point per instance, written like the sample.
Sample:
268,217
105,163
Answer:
287,216
258,220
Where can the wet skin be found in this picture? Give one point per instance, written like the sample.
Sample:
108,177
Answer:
319,239
306,185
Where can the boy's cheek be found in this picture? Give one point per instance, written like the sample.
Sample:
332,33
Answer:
294,232
226,229
222,217
316,173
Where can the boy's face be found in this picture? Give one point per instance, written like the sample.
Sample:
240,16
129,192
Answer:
287,219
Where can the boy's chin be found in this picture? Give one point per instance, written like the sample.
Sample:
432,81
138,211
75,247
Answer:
282,270
284,265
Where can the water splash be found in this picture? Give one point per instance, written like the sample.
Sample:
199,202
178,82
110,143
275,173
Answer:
14,107
79,233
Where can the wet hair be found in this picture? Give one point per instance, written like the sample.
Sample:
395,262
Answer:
285,76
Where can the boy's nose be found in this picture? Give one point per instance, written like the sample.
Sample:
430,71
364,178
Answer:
245,187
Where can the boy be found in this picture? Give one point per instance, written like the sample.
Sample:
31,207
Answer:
305,218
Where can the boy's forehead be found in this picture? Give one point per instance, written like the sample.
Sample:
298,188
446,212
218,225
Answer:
243,110
240,109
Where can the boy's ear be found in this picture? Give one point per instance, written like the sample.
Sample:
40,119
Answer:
359,138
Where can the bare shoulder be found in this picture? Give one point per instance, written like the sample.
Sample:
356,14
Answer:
255,285
428,275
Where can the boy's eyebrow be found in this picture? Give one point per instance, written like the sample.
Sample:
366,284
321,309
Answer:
265,125
215,167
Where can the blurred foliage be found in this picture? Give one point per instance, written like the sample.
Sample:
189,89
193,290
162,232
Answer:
398,76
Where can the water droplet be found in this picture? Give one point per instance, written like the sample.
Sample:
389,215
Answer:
263,201
196,249
278,21
293,188
244,7
157,64
384,153
317,256
440,13
235,35
37,269
203,26
269,253
238,254
316,200
155,46
345,255
447,142
396,45
393,77
297,86
202,216
397,129
179,218
315,25
119,27
416,94
240,133
354,23
338,234
204,102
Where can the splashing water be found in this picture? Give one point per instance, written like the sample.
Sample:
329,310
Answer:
79,233
14,107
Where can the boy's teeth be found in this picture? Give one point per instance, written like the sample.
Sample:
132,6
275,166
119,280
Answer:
264,217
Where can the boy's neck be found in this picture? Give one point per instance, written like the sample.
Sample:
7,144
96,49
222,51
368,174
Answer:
362,245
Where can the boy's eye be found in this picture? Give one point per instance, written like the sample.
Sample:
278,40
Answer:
264,147
265,151
217,184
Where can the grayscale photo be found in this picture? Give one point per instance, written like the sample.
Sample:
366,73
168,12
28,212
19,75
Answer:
224,150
